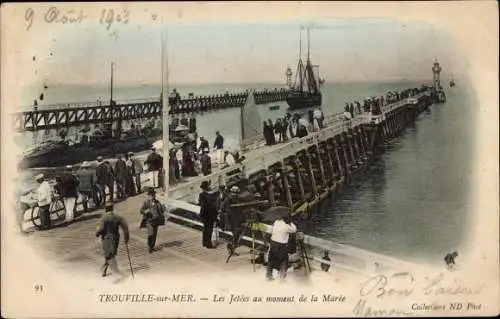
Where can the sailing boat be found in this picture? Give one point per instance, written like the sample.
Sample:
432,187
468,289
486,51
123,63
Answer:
305,92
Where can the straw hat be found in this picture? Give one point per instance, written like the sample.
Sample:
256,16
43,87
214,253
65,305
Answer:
205,150
39,177
69,167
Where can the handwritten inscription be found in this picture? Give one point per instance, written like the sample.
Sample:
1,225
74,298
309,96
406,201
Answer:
108,17
54,15
404,285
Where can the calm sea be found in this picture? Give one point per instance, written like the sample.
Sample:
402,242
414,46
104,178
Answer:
414,200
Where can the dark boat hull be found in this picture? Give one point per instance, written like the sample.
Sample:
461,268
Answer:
296,102
70,155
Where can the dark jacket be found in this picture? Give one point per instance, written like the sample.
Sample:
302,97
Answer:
204,145
68,185
154,161
104,173
206,164
152,212
208,205
108,230
120,170
219,142
86,179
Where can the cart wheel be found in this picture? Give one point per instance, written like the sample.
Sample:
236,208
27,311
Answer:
57,210
35,218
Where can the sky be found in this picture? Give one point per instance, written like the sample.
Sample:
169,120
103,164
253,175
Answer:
345,49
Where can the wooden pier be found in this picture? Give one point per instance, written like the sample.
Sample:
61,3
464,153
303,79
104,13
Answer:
72,115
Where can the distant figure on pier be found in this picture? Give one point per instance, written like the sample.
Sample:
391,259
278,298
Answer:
43,196
358,107
86,187
324,266
155,166
69,192
206,163
105,179
153,216
302,128
229,159
449,259
203,145
138,169
130,189
317,119
108,230
219,146
266,130
120,176
208,213
272,135
351,110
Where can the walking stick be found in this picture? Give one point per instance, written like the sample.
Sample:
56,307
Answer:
253,248
129,261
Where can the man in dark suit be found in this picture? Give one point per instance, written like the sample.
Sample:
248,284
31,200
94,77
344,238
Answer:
120,176
108,230
152,217
208,213
206,163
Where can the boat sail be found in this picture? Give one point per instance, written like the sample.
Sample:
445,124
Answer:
305,92
250,123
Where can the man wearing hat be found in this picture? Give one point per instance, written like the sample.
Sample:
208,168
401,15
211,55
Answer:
43,195
208,213
153,216
138,169
206,163
69,192
120,176
86,186
108,230
203,145
219,146
105,178
155,165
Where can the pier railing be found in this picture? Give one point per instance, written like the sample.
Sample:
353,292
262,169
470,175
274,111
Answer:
72,114
261,157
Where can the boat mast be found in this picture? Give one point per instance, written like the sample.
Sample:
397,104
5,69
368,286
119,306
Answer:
300,71
111,86
165,111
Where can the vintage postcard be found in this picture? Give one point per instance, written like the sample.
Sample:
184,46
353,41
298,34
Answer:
249,159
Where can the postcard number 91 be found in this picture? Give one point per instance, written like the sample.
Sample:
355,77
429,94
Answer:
38,288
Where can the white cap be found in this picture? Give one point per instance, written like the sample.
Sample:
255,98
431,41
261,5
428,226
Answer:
85,164
205,150
69,166
39,177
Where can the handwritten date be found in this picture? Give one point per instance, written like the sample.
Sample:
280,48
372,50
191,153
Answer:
108,17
